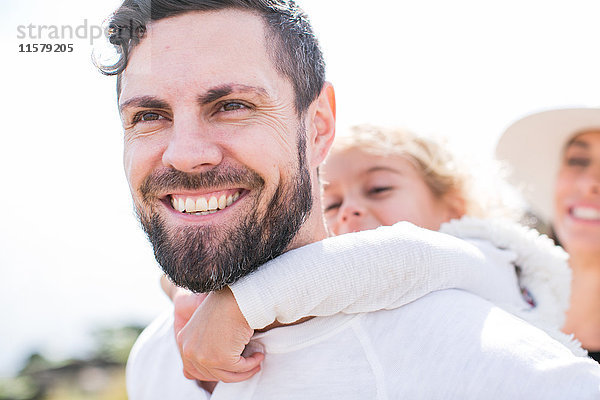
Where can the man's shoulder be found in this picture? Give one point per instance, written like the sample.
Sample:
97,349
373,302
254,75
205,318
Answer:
473,349
438,303
158,333
154,368
459,312
458,322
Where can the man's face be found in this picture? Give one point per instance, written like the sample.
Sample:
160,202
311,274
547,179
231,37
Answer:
214,150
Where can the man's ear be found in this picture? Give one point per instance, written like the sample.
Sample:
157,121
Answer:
323,125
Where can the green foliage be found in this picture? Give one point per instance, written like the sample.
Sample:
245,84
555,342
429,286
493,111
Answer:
19,388
35,363
113,345
98,377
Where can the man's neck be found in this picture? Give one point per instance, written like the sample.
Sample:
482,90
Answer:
313,230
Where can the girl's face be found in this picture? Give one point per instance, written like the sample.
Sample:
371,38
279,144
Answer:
364,191
577,194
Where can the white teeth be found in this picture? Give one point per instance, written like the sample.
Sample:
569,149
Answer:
201,204
213,204
190,205
205,213
587,213
181,205
222,202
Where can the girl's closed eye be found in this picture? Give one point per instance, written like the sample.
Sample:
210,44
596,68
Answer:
377,190
332,206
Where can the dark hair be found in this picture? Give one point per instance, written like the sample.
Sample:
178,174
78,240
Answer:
296,53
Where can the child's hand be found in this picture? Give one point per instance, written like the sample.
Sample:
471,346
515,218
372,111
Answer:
185,303
212,341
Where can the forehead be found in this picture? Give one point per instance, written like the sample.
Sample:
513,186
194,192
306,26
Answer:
353,164
201,50
585,140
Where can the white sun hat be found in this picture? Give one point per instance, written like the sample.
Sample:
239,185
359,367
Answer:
533,148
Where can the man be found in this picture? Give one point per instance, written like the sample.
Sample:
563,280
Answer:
227,117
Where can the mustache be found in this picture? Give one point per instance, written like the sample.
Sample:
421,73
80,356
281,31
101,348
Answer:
169,180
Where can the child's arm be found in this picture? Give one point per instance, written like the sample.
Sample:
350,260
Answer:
368,271
359,272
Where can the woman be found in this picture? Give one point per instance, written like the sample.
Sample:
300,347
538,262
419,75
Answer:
561,178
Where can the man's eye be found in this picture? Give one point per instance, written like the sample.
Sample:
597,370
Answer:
578,162
231,106
147,116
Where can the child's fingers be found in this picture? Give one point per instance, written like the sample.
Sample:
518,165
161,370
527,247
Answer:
241,370
230,377
245,364
199,374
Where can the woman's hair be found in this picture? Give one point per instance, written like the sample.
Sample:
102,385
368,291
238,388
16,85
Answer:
442,170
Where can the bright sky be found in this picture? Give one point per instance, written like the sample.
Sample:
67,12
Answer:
72,257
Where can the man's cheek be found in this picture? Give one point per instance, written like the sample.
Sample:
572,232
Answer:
127,163
137,166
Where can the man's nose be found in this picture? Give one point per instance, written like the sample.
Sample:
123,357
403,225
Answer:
193,146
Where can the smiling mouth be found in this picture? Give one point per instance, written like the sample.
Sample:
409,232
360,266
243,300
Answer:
204,204
586,213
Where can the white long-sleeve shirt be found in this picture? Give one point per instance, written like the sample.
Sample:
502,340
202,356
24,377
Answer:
470,348
447,345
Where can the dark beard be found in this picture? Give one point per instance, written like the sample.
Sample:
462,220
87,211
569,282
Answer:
204,259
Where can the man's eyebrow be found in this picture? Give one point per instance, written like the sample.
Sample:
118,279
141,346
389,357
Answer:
218,92
143,102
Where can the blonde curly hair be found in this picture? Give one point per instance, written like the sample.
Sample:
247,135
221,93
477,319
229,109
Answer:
478,186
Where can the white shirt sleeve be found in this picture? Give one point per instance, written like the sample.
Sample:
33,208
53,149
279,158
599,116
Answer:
368,271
